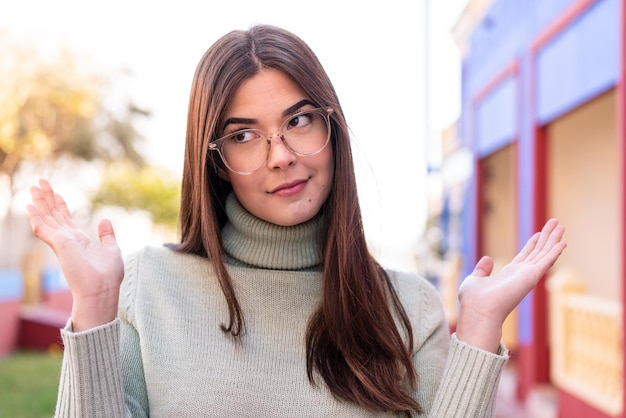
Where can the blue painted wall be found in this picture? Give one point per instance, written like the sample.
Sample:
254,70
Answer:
11,285
580,63
53,280
495,128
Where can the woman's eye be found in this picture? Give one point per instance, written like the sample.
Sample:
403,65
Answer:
243,137
300,121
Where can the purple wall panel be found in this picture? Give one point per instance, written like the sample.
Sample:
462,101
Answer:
579,63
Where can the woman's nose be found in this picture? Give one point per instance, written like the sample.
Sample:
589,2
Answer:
280,156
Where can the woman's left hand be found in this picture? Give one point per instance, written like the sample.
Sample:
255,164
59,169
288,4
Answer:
486,301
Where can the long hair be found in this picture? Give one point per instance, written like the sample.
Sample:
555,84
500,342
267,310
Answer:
353,340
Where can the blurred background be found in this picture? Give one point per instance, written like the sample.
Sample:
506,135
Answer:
472,123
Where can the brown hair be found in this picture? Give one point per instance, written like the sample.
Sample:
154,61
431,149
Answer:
352,340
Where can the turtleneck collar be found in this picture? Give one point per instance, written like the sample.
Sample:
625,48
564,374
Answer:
252,242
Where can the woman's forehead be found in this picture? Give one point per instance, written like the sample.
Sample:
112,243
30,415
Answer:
270,91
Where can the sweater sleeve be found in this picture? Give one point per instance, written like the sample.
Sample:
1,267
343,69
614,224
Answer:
91,383
455,379
135,390
470,382
102,372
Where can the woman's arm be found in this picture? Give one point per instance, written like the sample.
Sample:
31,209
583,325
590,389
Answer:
454,378
468,383
91,381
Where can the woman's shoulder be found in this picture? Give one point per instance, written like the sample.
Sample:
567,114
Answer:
162,264
411,284
422,303
156,271
162,257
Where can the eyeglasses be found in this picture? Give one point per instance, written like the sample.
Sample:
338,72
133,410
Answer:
304,133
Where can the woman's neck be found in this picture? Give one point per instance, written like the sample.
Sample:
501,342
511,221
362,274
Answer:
252,242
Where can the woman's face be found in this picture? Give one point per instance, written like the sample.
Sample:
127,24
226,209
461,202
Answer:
289,189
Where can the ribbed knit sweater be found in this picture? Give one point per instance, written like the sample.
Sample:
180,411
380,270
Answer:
166,356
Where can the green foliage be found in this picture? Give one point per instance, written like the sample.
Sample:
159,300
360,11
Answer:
144,188
53,107
28,384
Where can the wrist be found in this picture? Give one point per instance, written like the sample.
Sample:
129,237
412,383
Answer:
92,312
479,331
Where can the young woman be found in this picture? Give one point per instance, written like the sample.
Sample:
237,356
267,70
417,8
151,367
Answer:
271,304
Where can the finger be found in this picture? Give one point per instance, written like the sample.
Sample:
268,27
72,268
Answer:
537,243
48,194
555,237
35,195
50,216
550,257
55,204
106,233
552,240
33,216
64,210
547,229
39,201
528,248
62,205
484,267
39,227
42,207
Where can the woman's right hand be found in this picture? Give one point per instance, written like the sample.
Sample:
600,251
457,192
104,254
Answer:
94,271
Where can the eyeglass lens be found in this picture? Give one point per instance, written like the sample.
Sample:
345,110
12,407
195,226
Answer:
305,133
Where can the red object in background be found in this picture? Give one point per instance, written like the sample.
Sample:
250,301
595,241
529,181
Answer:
39,328
9,325
58,300
571,406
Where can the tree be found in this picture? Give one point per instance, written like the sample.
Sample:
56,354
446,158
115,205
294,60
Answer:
144,188
53,107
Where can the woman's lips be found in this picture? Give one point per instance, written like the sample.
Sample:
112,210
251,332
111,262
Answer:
289,189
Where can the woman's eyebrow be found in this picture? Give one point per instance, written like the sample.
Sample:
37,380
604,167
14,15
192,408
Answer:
242,121
297,106
249,121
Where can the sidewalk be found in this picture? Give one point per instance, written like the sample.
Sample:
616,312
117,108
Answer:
541,403
507,405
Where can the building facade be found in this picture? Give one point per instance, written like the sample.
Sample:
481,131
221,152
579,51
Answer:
543,116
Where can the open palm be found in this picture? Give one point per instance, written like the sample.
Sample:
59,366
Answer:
94,271
486,301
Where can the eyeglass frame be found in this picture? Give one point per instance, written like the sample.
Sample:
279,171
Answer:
216,145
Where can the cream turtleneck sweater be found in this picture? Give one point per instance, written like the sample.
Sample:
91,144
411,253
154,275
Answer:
165,356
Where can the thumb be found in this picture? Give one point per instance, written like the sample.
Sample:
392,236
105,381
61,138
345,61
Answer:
483,267
106,233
